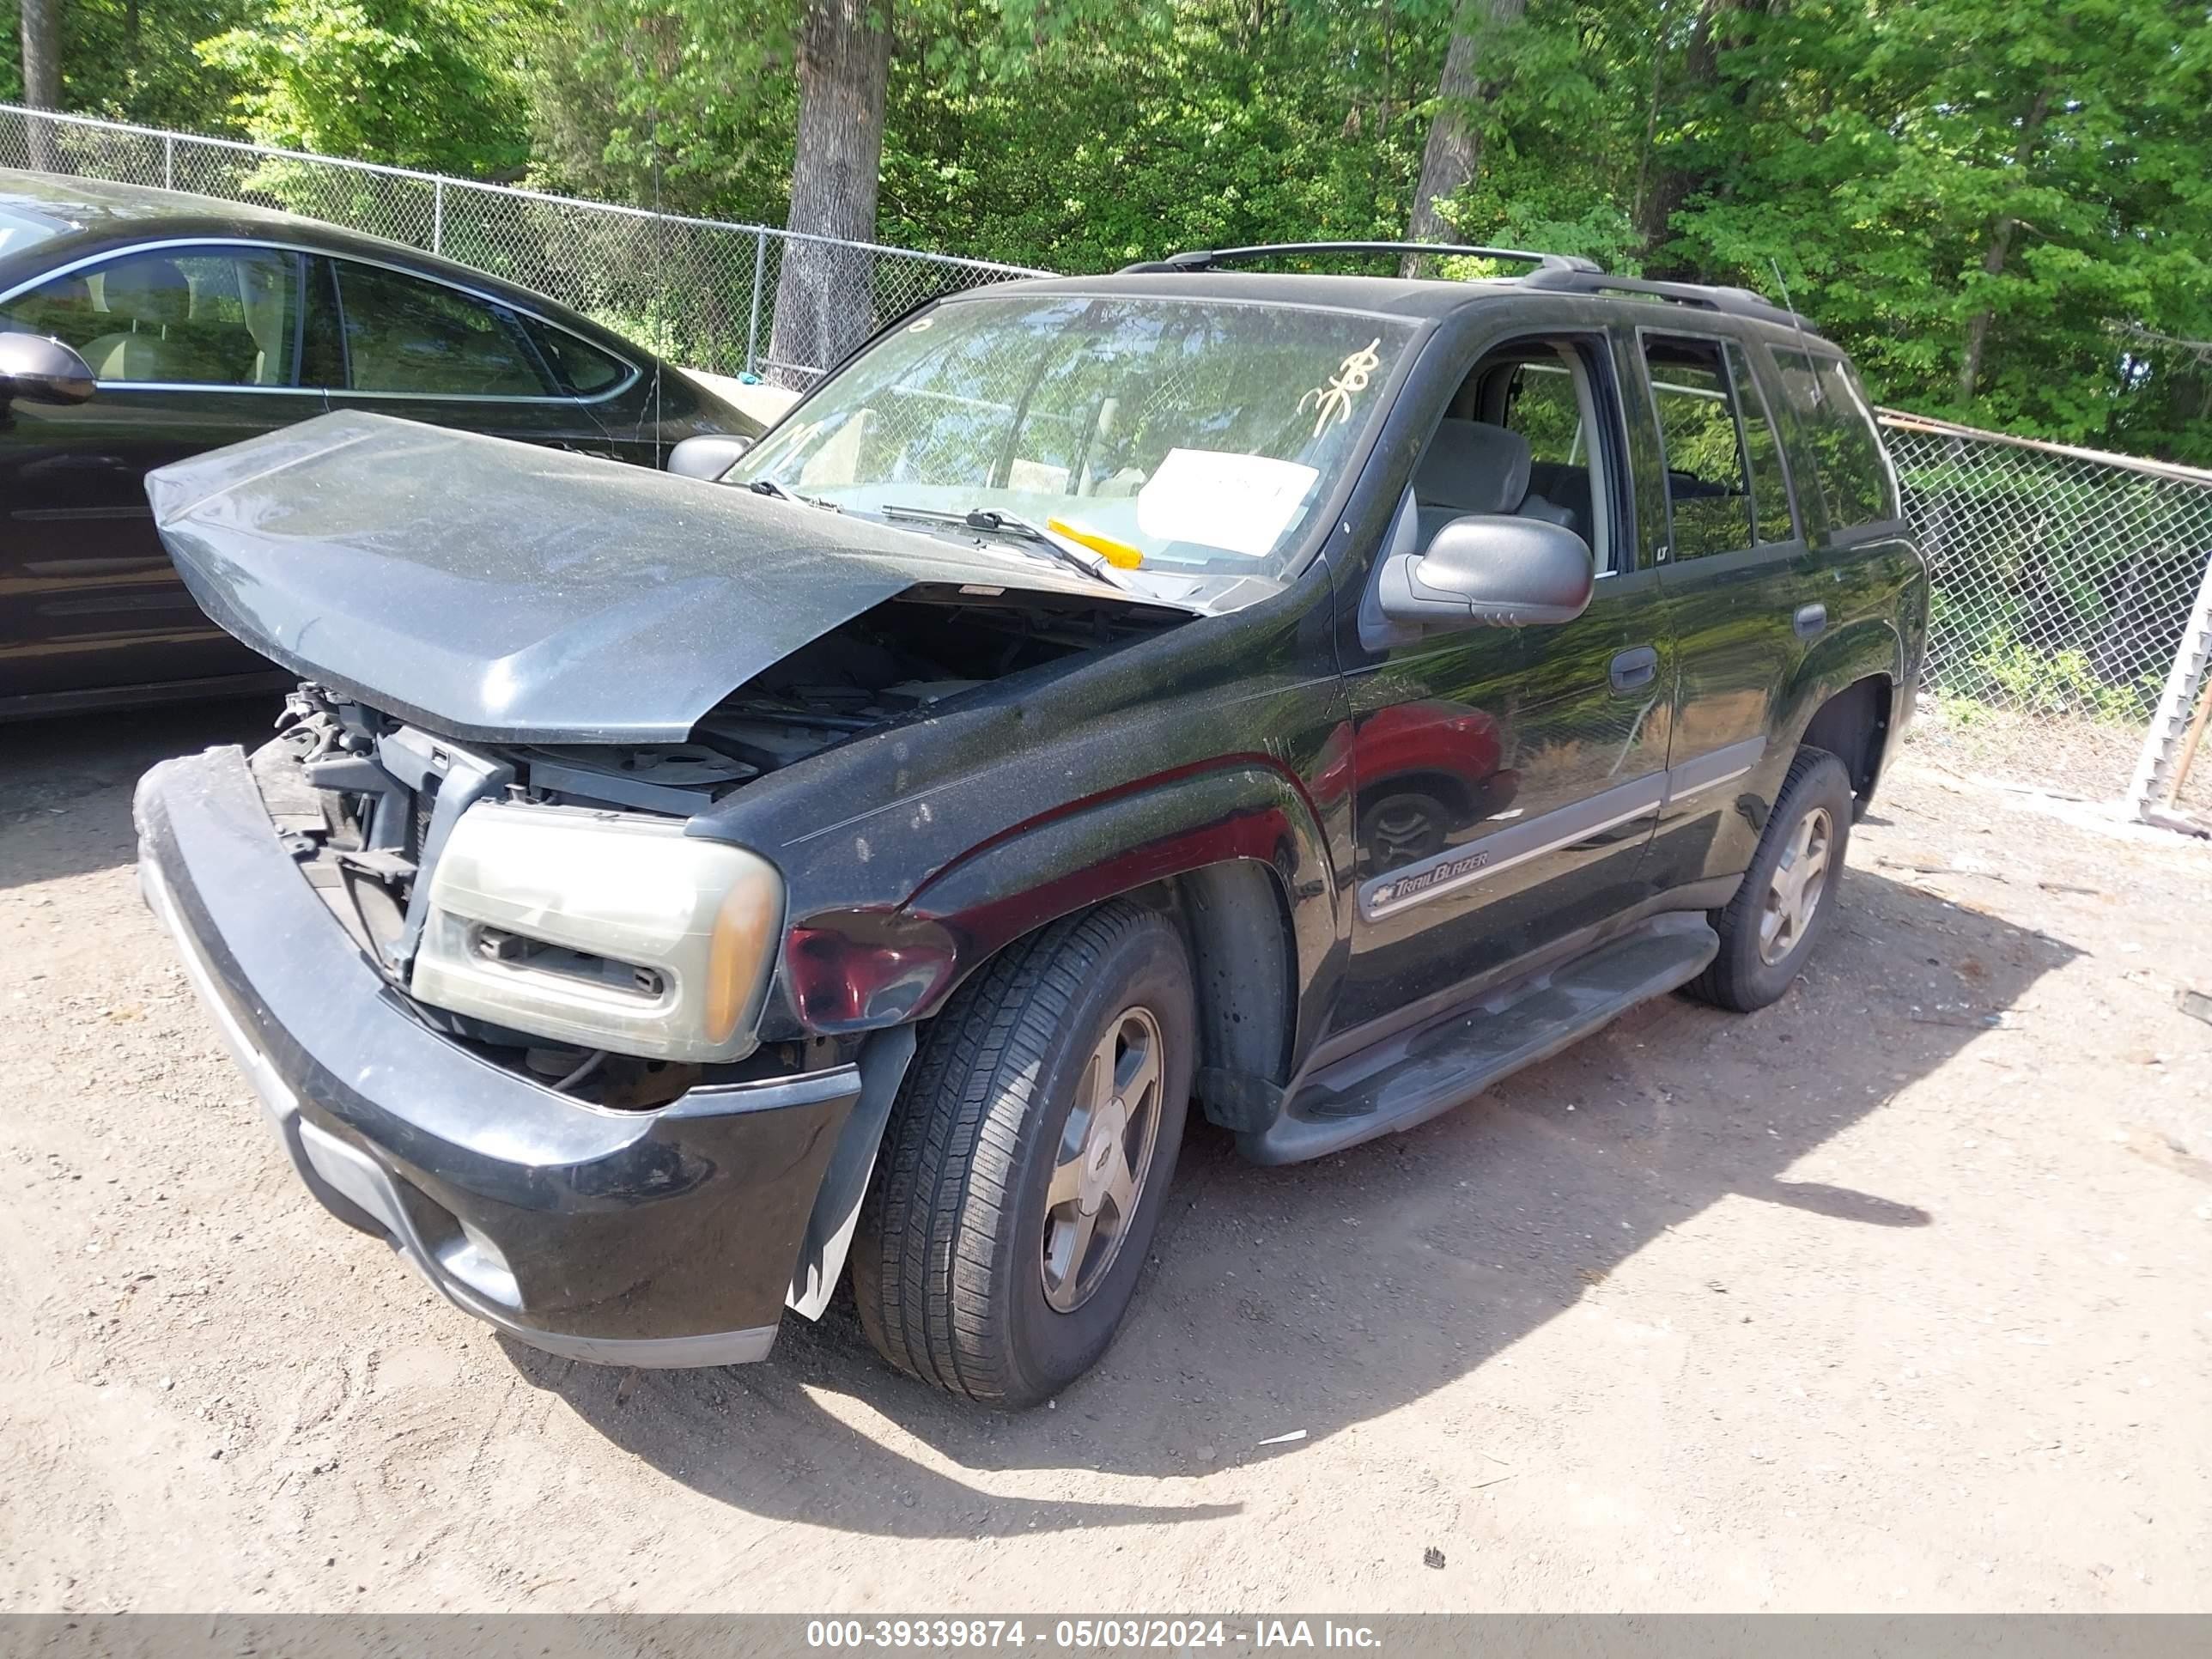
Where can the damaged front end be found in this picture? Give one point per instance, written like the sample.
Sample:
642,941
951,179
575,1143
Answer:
529,671
544,903
507,1005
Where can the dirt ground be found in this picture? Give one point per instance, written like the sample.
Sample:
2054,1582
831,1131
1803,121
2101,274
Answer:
1898,1295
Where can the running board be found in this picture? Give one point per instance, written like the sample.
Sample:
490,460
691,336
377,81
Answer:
1411,1078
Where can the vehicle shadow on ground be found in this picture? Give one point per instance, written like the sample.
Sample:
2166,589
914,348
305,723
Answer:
1321,1296
65,783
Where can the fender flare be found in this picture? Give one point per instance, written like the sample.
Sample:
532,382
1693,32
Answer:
861,970
1871,648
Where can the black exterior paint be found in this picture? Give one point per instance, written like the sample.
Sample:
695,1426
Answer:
1127,769
91,611
1249,739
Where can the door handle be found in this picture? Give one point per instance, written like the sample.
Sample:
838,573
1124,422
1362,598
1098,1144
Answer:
1809,620
1634,670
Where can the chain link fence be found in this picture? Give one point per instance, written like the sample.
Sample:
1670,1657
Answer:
2064,580
700,292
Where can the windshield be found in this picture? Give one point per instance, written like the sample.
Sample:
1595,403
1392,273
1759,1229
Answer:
1198,436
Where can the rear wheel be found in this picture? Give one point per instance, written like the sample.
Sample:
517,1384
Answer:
1769,927
1026,1160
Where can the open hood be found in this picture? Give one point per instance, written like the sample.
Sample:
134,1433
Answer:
495,591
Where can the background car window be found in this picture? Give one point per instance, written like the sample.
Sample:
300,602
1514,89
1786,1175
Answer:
583,369
1839,429
1708,492
402,334
1770,493
212,317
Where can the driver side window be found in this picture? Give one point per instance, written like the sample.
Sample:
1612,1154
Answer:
1530,435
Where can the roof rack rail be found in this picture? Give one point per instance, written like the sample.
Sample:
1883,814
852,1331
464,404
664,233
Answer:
1735,301
1211,258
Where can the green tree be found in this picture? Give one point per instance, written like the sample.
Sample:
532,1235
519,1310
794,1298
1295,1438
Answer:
2002,208
435,84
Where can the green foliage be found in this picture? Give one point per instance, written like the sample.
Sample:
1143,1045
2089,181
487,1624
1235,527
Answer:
1134,129
434,84
134,62
688,106
2026,680
2025,188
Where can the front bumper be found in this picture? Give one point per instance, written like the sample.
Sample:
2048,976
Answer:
662,1237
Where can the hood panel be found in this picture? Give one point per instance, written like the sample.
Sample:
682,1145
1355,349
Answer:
496,590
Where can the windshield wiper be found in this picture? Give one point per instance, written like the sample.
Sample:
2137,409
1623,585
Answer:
989,521
771,487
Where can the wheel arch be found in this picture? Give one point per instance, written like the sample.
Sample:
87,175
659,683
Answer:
1236,850
1845,699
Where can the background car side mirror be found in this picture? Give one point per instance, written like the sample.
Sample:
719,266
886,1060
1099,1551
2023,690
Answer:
708,456
42,371
1492,570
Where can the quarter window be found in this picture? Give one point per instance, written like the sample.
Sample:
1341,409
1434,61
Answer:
1708,488
403,334
584,368
178,316
1838,429
1769,493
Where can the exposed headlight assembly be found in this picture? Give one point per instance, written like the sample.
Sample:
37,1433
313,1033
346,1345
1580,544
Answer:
610,932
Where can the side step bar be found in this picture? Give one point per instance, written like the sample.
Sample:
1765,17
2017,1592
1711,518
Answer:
1418,1074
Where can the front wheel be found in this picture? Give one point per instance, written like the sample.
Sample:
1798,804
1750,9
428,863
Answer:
1024,1167
1769,927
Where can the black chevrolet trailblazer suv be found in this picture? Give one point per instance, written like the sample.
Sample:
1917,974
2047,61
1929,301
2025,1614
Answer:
1301,699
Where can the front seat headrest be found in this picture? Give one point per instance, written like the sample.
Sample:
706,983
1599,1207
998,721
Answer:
152,292
1474,467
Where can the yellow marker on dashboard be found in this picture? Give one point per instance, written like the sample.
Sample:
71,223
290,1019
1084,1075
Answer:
1120,555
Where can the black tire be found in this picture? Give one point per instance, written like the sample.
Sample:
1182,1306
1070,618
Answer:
949,1264
1741,977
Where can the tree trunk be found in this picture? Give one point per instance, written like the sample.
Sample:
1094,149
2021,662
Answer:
1672,185
824,298
2000,248
1453,154
42,77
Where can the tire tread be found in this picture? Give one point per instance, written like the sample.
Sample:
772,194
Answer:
1724,983
930,1248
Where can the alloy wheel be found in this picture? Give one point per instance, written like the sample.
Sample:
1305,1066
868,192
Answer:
1799,883
1104,1155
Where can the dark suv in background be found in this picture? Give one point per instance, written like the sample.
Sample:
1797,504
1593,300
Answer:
1312,696
140,326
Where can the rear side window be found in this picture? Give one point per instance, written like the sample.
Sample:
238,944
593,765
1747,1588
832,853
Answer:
1708,488
405,335
1839,431
1770,493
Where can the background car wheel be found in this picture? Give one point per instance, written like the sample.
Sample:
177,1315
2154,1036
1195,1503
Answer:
1402,827
1025,1161
1779,913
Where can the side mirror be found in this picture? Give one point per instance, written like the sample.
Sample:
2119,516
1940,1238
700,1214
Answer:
1494,571
42,371
708,456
